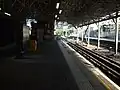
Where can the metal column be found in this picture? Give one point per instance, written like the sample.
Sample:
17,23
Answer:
98,36
19,38
88,36
82,36
116,35
77,35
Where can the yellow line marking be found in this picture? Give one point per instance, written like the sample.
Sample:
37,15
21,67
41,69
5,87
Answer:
106,86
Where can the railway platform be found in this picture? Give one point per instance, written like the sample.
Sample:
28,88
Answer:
59,64
53,67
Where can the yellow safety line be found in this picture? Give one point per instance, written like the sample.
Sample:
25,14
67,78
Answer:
106,86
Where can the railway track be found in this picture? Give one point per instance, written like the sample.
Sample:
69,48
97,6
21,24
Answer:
106,43
105,64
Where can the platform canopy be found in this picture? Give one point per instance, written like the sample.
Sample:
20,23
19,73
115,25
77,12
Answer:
84,11
73,11
43,10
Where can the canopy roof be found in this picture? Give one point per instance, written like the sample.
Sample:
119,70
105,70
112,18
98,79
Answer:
80,11
74,11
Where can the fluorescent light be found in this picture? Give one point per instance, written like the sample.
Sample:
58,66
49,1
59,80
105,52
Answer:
58,18
8,14
0,9
57,6
55,16
60,11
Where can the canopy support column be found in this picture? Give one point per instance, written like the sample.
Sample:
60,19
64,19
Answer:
116,34
98,35
88,36
82,36
78,35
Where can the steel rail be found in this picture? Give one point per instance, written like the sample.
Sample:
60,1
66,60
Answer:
108,66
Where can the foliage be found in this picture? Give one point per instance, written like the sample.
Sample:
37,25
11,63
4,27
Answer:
59,32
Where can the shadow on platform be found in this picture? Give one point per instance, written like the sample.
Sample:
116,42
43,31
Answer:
44,70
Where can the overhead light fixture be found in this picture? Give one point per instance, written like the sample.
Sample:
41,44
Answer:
58,18
0,9
8,14
55,16
57,6
60,11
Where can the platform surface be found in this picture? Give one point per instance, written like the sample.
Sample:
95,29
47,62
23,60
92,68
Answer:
83,71
46,70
